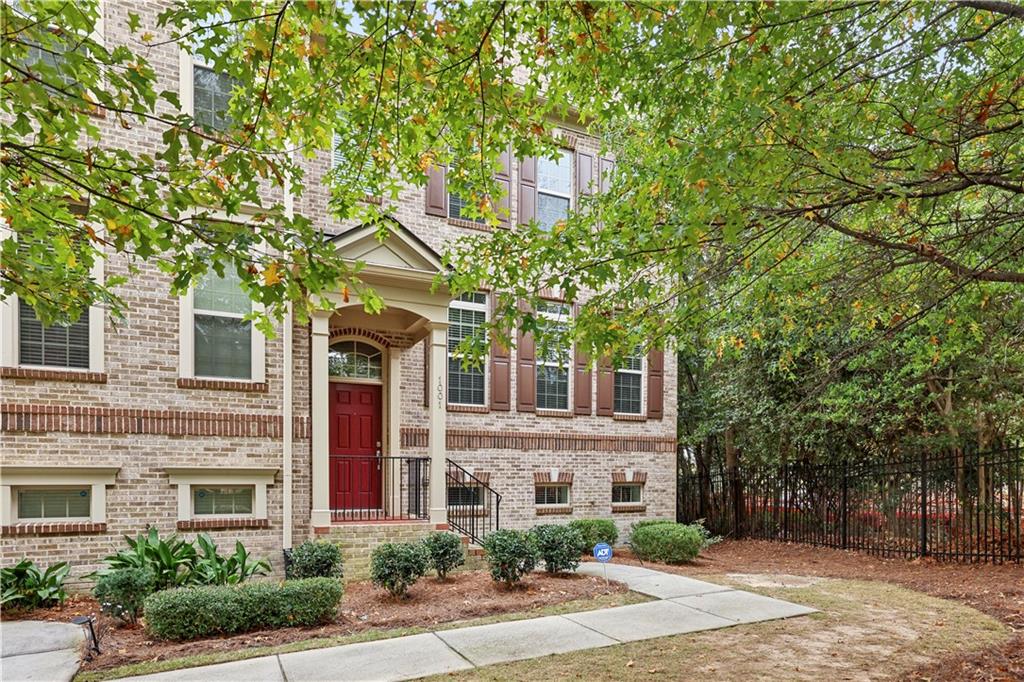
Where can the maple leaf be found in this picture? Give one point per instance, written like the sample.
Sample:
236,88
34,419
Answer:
271,275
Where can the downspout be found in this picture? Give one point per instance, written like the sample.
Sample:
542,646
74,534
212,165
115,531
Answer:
286,400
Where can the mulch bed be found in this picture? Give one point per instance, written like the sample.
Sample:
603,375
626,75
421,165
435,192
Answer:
466,595
997,590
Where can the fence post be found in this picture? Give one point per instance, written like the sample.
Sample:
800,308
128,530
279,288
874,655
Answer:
785,501
924,503
845,508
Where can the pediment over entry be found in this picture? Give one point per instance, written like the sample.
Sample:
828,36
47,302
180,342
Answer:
400,250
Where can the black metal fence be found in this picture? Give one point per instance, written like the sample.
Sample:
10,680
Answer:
374,488
474,508
957,506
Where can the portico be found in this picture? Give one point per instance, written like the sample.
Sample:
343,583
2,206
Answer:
358,468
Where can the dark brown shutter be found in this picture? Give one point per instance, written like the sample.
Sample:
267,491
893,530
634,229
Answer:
504,180
605,388
526,373
584,173
426,371
582,384
656,384
437,193
501,373
527,190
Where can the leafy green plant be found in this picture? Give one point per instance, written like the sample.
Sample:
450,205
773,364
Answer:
211,568
24,585
511,554
170,559
559,546
396,566
595,531
316,560
207,610
444,552
121,593
670,543
648,522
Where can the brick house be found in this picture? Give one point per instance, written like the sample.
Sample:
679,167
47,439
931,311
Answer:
356,427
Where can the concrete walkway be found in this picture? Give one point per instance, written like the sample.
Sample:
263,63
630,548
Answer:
39,650
682,605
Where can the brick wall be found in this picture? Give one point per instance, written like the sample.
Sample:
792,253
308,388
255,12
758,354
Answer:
357,542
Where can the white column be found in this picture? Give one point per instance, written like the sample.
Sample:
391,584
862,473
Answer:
320,516
438,377
394,426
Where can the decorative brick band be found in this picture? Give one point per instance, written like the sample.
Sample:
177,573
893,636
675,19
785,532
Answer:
55,528
543,477
549,510
239,522
471,439
628,508
469,224
475,409
621,477
364,333
621,417
76,419
557,414
223,385
71,375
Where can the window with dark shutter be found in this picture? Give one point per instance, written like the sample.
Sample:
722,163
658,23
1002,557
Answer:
466,315
629,385
54,345
553,362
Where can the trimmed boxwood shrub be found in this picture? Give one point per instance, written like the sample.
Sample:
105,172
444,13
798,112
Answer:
559,546
595,531
511,554
193,612
396,566
669,543
444,552
122,592
315,560
648,522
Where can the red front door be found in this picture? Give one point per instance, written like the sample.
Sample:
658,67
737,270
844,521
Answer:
355,446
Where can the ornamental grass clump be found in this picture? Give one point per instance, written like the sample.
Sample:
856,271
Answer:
559,546
511,554
396,566
444,552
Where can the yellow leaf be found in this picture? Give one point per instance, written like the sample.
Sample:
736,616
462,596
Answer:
271,276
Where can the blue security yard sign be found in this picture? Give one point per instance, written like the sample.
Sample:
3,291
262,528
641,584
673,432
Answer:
603,552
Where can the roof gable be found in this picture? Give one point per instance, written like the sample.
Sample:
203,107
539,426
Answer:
400,250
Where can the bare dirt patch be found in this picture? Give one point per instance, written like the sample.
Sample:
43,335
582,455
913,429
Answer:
364,608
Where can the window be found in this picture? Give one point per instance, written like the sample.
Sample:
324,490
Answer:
55,345
211,93
554,190
345,162
464,496
37,504
222,336
354,360
627,493
551,495
466,315
629,385
553,361
208,501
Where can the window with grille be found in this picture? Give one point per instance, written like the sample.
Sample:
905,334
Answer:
354,360
629,385
54,503
222,335
554,189
207,501
53,345
211,93
626,493
551,495
466,384
553,360
353,165
465,495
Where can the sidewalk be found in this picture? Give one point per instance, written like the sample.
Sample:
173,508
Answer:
681,605
39,650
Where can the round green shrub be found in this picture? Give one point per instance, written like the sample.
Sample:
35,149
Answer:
444,552
511,554
122,592
193,612
669,543
316,560
595,531
559,546
648,522
396,566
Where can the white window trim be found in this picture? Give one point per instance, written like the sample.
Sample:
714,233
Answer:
186,338
643,387
17,477
555,484
10,352
539,362
186,477
485,308
186,79
571,156
641,486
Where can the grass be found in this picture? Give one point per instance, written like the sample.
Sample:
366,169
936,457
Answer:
866,630
150,667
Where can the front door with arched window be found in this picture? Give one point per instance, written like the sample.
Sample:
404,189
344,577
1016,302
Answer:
355,369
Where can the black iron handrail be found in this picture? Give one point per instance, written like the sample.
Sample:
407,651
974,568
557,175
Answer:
474,508
375,488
